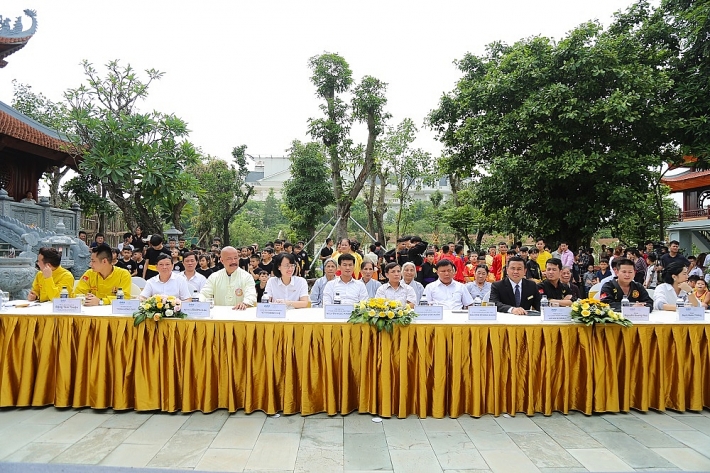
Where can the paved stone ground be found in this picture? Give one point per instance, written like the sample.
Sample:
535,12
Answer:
239,442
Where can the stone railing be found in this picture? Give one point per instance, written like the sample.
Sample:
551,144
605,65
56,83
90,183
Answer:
42,215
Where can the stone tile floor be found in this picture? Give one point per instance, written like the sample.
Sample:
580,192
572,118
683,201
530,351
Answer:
221,441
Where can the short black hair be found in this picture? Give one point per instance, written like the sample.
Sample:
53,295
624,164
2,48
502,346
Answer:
555,261
513,259
161,257
188,254
346,257
156,240
445,262
278,259
103,251
127,235
51,256
623,262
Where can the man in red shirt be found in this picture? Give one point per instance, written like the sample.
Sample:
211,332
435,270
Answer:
499,260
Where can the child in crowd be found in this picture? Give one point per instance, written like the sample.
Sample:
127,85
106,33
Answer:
588,278
604,271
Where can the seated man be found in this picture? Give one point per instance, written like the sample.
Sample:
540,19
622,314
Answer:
514,294
351,290
103,279
195,280
395,289
552,287
51,277
230,286
167,282
445,291
614,290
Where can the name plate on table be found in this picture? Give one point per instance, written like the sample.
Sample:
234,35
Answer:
66,306
196,310
124,306
557,314
338,311
691,314
636,314
271,311
429,312
482,312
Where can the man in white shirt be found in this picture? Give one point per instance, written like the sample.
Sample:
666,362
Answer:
166,283
230,286
351,290
445,291
195,280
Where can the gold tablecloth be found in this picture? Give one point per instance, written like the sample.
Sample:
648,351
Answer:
426,370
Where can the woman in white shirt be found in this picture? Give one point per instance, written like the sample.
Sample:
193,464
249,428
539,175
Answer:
329,268
284,287
675,285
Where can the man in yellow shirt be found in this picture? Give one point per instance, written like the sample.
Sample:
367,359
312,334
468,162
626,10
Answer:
103,279
51,277
543,255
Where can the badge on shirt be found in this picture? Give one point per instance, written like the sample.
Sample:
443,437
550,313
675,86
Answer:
238,292
635,294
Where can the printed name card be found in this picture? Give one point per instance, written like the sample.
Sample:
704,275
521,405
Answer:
557,314
338,311
482,313
691,314
271,311
66,306
636,314
429,312
124,306
196,310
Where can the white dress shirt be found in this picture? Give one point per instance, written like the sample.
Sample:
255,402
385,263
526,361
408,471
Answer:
403,293
351,292
296,288
452,297
175,286
665,294
196,282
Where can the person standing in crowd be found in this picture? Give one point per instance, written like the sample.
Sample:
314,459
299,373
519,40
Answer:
178,267
138,240
230,286
329,269
428,273
588,279
127,261
673,255
350,289
532,267
103,279
416,251
480,287
499,260
653,275
244,258
326,252
167,282
345,247
409,272
204,265
98,240
262,277
543,254
127,242
514,294
140,262
445,291
51,277
267,263
566,255
367,270
151,255
604,270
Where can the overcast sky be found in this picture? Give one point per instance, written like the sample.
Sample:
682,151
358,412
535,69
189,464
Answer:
237,71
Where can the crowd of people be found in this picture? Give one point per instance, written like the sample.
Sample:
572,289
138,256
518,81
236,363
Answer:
515,278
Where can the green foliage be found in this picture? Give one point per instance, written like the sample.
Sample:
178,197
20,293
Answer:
308,191
87,191
140,158
563,132
55,115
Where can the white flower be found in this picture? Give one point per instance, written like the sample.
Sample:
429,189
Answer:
169,313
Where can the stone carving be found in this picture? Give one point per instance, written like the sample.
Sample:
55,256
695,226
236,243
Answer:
16,31
16,276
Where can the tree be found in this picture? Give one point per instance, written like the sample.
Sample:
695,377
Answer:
140,159
407,166
332,76
564,132
307,192
223,192
49,113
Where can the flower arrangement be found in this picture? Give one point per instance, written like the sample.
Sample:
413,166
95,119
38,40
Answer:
381,314
158,307
592,311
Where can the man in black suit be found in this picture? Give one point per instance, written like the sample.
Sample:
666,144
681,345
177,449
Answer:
514,294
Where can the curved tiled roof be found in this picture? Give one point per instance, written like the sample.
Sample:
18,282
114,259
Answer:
14,39
18,126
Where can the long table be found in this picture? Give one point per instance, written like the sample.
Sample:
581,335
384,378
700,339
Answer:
306,364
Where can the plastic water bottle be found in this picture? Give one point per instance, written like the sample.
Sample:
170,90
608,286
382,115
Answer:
195,296
266,298
477,301
64,294
544,303
680,302
423,301
336,298
119,294
625,301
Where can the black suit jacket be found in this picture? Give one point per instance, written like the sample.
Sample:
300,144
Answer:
504,299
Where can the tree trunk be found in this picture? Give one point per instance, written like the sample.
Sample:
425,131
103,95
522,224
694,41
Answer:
370,204
381,209
177,214
125,206
342,211
225,231
54,178
479,239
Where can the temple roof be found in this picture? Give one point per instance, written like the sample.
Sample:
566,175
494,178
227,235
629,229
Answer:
688,180
13,39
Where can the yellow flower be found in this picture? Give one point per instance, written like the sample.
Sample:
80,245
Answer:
362,305
390,314
159,305
586,313
613,315
372,312
393,304
146,306
171,298
400,313
381,314
585,306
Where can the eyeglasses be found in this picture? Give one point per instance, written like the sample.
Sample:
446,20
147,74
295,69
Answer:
288,266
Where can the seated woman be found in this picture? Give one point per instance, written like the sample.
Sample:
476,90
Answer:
51,277
367,269
166,283
329,268
409,272
675,285
394,289
284,287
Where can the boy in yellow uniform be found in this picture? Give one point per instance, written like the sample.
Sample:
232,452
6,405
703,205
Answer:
103,279
51,277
